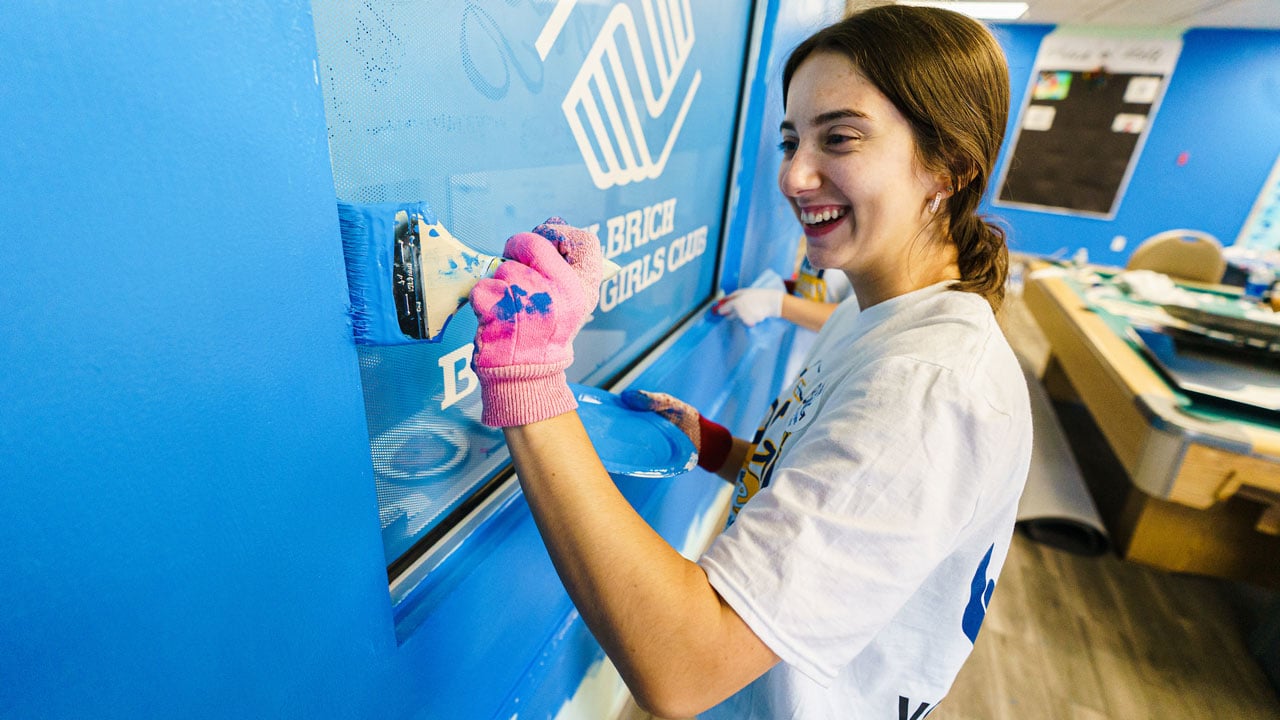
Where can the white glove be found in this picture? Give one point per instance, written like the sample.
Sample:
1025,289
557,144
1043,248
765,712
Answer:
751,305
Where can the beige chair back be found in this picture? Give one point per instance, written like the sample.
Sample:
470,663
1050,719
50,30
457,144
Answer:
1181,254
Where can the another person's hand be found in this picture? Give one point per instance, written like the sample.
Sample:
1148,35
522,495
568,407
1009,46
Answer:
529,313
712,440
751,305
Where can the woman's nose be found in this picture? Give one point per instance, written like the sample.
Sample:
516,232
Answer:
798,174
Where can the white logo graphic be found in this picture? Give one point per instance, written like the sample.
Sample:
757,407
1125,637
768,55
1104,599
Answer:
601,106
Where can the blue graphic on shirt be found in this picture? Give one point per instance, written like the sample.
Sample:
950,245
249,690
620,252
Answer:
979,598
904,707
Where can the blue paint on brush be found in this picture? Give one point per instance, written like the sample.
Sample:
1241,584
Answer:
369,249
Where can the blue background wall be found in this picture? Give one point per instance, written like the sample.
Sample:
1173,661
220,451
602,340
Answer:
187,509
1222,108
187,503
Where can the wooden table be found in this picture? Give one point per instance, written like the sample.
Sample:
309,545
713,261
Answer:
1204,490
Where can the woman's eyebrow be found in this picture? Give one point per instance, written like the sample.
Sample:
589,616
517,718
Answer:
826,117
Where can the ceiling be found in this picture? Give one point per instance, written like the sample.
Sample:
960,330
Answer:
1160,13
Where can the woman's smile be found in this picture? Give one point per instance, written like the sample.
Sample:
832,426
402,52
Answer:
822,219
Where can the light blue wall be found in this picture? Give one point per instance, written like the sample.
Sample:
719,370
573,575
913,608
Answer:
186,500
187,505
1222,108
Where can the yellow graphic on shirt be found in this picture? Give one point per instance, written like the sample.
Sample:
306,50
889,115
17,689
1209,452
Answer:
763,454
809,283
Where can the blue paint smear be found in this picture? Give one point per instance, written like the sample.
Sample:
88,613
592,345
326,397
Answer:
637,400
511,303
518,300
539,303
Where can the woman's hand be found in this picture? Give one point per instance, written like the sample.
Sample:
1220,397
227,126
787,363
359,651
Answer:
718,451
529,312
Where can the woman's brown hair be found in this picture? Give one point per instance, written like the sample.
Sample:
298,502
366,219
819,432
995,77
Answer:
949,78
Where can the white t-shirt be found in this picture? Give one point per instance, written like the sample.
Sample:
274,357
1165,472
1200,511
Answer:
875,511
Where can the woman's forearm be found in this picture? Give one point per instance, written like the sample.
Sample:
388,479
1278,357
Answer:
808,314
734,460
675,642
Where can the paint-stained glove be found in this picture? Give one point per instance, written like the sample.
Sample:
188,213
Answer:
529,313
751,305
712,440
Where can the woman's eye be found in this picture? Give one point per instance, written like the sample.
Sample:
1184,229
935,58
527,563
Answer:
787,146
838,140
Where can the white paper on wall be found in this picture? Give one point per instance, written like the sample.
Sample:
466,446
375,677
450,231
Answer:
1128,123
1038,117
1142,90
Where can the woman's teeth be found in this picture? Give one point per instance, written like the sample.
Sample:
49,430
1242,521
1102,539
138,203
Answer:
822,216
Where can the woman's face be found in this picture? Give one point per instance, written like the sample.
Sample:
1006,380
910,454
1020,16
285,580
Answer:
851,172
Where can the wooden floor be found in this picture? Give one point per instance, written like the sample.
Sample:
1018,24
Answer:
1098,638
1075,638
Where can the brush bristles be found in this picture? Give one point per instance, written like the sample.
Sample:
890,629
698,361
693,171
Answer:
355,241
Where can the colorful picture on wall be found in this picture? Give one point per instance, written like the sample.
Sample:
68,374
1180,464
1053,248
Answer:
1052,85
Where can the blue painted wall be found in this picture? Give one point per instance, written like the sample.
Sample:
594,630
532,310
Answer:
187,504
1222,108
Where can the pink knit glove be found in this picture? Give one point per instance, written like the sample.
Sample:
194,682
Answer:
712,440
529,313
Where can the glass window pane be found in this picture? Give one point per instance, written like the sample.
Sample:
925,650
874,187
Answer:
498,114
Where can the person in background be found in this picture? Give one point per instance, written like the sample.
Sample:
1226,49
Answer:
806,301
876,502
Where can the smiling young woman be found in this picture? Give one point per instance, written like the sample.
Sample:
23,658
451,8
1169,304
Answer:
875,504
951,90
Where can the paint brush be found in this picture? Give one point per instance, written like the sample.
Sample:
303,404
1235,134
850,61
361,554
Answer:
407,274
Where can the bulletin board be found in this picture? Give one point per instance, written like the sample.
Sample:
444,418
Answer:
1091,103
617,115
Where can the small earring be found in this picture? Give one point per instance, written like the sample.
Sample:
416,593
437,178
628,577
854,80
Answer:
933,204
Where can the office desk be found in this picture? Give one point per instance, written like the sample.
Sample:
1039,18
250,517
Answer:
1204,487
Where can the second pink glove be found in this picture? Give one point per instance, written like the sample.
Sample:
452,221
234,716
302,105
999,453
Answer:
529,313
712,440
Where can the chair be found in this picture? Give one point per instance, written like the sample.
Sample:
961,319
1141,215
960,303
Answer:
1182,254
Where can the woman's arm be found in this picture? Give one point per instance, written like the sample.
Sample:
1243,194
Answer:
677,645
734,460
809,314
